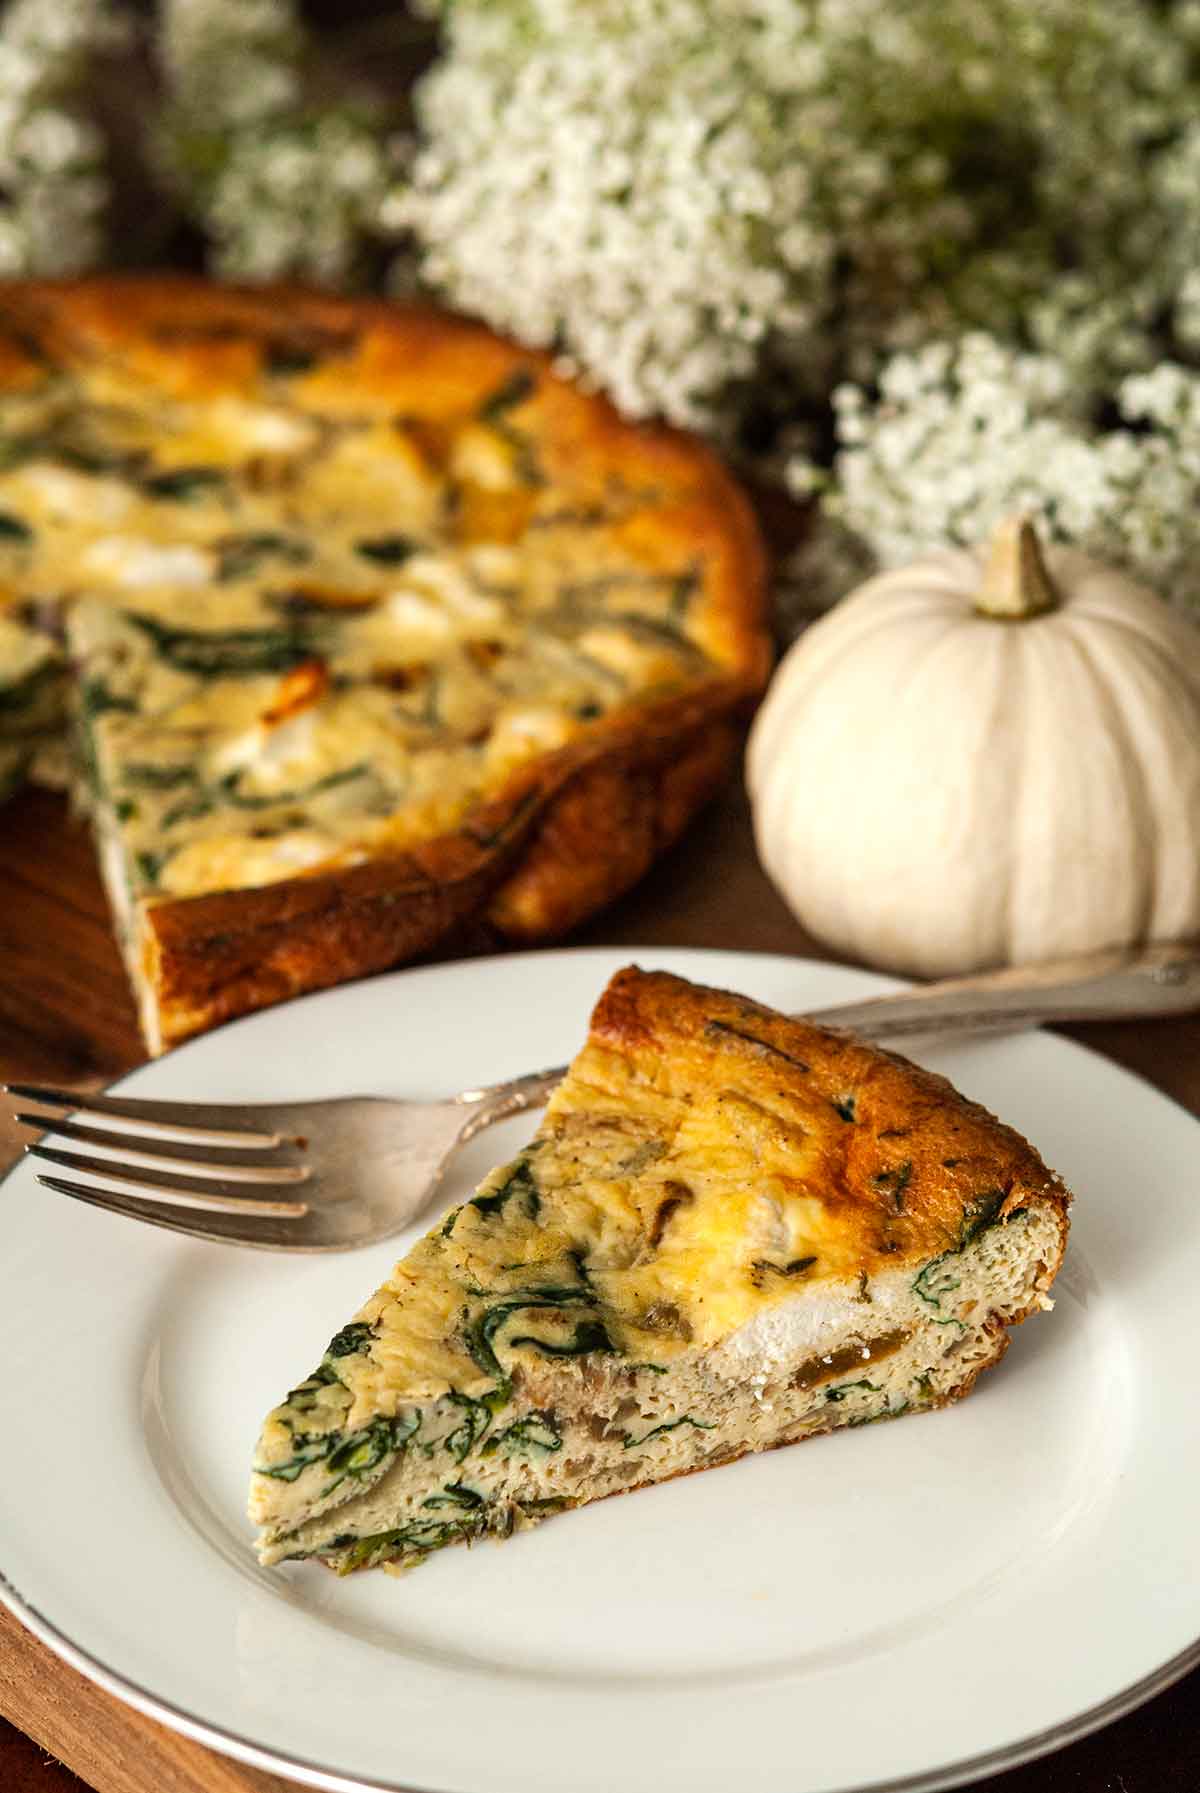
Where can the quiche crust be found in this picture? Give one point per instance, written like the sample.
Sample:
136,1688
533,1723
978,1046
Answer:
373,455
732,1231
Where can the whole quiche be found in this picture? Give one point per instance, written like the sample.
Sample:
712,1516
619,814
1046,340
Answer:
371,626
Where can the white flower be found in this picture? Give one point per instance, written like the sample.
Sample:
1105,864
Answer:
678,192
52,191
964,434
281,186
230,62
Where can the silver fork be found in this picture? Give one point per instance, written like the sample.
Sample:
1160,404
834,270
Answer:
325,1176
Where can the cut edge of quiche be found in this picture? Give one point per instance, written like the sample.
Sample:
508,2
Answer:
479,646
732,1231
30,703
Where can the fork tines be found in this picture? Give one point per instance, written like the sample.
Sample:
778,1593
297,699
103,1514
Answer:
168,1151
181,1118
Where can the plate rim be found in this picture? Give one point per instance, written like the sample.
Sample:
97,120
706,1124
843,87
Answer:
233,1745
242,1749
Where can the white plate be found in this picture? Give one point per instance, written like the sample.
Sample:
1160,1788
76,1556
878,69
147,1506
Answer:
905,1605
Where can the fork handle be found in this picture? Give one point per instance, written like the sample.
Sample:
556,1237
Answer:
1117,985
1121,984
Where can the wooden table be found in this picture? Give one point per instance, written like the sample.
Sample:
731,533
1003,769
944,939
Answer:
65,1016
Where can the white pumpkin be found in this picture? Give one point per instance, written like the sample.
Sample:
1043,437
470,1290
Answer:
977,761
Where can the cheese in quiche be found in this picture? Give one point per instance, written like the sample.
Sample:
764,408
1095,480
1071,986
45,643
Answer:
732,1231
354,595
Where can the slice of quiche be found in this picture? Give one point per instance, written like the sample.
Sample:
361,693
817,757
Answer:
377,626
732,1230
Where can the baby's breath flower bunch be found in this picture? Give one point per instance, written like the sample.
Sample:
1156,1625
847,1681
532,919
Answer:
960,435
681,193
720,208
281,184
53,186
614,177
234,122
977,222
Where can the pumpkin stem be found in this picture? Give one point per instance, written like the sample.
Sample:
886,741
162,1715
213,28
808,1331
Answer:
1015,582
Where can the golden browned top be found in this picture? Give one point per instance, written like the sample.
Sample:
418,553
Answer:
164,349
884,1161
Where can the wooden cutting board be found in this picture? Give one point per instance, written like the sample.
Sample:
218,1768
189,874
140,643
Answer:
111,1747
66,1017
